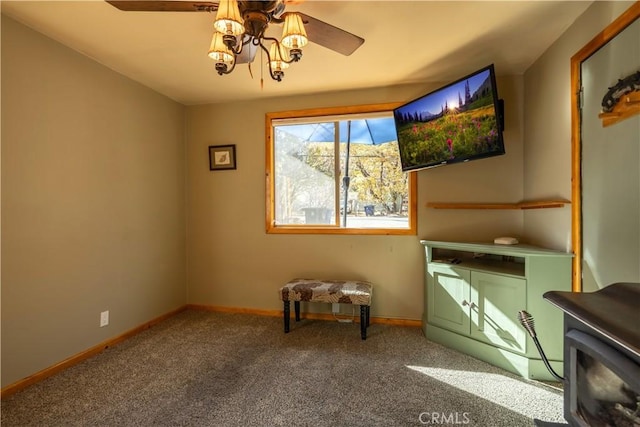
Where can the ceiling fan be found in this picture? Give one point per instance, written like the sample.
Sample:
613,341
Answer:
250,25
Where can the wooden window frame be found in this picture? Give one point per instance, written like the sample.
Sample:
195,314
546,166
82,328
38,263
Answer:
270,226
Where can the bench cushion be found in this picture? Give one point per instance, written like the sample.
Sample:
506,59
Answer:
331,291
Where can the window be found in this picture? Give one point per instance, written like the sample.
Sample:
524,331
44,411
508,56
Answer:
337,171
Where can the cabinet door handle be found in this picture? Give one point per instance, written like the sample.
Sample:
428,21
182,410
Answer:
464,302
473,305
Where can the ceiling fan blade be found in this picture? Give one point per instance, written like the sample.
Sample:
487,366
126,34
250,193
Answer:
164,6
331,37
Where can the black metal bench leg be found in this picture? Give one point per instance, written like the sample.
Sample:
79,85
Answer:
363,322
287,313
368,315
296,305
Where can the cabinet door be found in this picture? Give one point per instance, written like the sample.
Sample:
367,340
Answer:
448,298
494,312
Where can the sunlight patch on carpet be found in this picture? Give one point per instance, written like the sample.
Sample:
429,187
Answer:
516,395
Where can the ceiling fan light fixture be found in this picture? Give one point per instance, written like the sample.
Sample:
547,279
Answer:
278,57
242,29
294,35
220,53
235,32
228,19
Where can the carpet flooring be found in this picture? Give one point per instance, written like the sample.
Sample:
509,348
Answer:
202,368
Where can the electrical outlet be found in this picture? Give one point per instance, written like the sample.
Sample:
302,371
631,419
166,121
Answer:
104,318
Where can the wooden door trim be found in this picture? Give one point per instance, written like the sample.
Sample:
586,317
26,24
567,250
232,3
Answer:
612,30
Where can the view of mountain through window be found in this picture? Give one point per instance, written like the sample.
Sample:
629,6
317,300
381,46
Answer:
339,172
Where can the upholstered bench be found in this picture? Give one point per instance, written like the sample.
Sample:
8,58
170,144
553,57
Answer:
329,291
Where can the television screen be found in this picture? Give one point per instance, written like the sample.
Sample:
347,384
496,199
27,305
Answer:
456,123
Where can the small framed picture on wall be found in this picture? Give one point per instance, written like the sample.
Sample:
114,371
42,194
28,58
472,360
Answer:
222,157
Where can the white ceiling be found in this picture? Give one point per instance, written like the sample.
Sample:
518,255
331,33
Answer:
433,41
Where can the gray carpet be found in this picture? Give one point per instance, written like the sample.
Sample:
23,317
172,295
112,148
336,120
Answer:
200,368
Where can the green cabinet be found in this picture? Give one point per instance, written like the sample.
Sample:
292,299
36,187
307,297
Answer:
494,300
450,288
474,293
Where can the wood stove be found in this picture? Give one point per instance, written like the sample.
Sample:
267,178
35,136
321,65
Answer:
601,355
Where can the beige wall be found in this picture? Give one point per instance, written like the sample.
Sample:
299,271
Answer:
234,263
93,203
547,129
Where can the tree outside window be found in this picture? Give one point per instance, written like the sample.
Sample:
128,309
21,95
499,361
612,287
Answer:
337,173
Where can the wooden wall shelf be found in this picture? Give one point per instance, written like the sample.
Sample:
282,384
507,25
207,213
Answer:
525,204
629,105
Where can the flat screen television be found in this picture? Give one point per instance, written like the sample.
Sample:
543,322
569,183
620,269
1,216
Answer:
459,122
